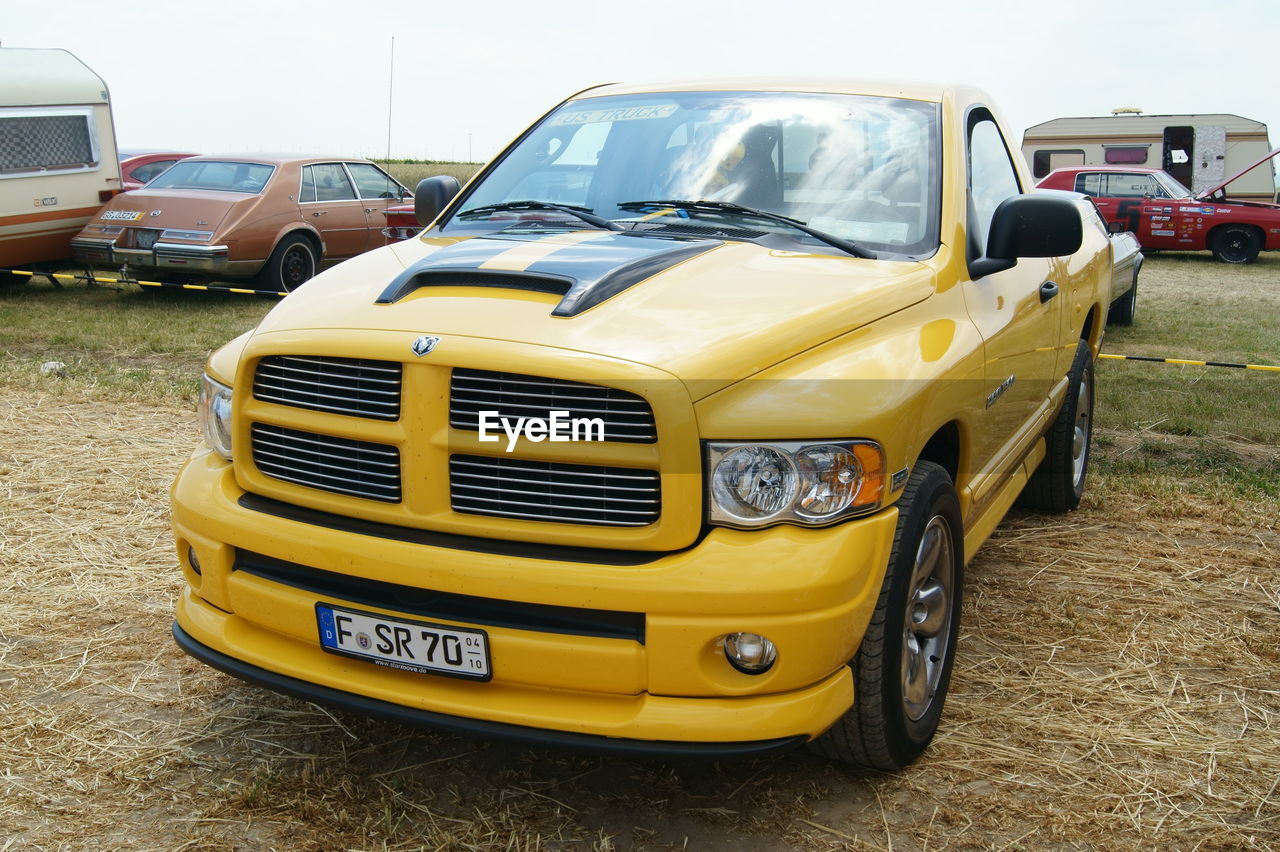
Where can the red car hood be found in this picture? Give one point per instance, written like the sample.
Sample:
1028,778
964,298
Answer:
1209,192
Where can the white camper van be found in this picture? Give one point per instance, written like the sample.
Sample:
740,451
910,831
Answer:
1200,150
58,161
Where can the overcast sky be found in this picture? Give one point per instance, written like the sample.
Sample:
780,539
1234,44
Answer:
234,75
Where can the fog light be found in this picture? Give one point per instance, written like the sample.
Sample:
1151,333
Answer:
193,560
750,653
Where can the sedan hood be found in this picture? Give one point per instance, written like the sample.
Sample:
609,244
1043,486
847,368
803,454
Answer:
1211,190
704,311
180,209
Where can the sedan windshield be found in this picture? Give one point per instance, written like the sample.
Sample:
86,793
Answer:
861,169
208,174
1173,186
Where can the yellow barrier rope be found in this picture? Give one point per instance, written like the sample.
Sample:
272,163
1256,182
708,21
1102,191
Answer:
62,276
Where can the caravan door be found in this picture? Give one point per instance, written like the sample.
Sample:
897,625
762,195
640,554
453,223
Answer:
1210,160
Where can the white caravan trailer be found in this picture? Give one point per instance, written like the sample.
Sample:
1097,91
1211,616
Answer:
58,162
1200,150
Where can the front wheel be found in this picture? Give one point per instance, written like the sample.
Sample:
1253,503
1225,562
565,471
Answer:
903,666
1236,244
292,264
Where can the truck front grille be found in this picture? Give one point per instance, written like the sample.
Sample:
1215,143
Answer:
550,491
352,386
626,417
341,465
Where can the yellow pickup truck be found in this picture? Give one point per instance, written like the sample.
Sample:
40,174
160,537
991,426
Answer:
671,435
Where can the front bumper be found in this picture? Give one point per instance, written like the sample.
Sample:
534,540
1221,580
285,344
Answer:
665,690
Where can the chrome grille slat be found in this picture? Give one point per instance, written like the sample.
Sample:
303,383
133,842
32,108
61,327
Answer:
518,480
292,381
332,409
559,507
264,437
561,495
558,405
279,368
351,386
512,464
628,418
641,407
285,458
388,367
341,465
569,493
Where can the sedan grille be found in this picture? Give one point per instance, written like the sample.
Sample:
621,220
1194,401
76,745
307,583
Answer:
550,491
356,468
353,386
626,417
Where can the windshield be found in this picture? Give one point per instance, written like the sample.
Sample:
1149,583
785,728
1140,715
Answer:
864,169
206,174
1172,185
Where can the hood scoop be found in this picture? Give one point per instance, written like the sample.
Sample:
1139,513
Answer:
583,272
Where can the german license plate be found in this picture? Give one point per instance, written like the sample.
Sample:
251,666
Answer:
415,646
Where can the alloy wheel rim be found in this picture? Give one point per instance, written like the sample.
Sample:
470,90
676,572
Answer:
1081,433
926,633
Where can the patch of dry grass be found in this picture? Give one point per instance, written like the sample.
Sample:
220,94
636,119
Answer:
1115,689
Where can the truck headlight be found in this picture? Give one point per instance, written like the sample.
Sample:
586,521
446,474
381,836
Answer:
215,416
753,485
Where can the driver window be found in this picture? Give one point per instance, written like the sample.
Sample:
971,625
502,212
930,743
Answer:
992,178
372,182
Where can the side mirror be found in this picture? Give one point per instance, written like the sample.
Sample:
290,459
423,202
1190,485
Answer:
432,195
1115,227
1029,226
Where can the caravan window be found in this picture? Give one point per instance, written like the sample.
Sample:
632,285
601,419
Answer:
1129,155
33,141
1046,160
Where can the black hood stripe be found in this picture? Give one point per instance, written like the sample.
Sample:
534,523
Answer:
584,273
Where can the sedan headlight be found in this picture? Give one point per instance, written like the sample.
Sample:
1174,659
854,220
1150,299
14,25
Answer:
215,416
753,485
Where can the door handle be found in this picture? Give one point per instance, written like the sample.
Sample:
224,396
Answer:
370,210
1047,291
319,213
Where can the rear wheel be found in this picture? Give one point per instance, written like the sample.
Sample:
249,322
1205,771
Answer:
903,667
1123,309
1236,244
1058,483
292,264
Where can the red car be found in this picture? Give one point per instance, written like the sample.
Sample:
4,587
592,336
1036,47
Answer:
402,223
1166,216
137,167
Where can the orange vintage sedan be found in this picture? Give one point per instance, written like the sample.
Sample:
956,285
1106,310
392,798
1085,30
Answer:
272,217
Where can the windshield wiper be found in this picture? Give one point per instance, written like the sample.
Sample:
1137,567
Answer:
730,207
583,213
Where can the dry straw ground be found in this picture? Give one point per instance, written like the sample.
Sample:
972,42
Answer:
1115,688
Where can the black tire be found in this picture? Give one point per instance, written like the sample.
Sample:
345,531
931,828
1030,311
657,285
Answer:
1123,309
1058,483
292,264
903,666
1236,244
